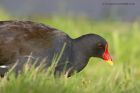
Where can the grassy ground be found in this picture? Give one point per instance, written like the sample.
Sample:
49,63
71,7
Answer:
97,77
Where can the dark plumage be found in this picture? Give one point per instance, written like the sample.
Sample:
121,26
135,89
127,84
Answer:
18,39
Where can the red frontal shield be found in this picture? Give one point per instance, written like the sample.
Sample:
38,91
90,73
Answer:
106,56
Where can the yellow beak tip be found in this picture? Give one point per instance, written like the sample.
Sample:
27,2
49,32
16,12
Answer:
110,62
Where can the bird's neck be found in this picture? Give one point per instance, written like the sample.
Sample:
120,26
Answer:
83,46
80,53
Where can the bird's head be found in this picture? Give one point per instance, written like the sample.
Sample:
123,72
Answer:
100,49
96,46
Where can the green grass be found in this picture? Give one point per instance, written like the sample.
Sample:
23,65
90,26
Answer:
98,76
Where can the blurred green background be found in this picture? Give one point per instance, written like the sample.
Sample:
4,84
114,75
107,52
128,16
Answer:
98,77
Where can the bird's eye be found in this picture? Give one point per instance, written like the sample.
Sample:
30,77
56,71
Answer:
100,46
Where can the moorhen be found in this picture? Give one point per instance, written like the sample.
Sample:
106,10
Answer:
22,39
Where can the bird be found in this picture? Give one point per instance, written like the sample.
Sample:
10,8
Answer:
20,40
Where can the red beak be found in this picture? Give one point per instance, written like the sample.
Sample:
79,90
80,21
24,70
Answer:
106,56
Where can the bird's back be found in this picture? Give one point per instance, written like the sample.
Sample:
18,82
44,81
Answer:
21,38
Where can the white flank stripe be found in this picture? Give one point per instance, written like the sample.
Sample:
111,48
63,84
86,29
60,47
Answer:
4,66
